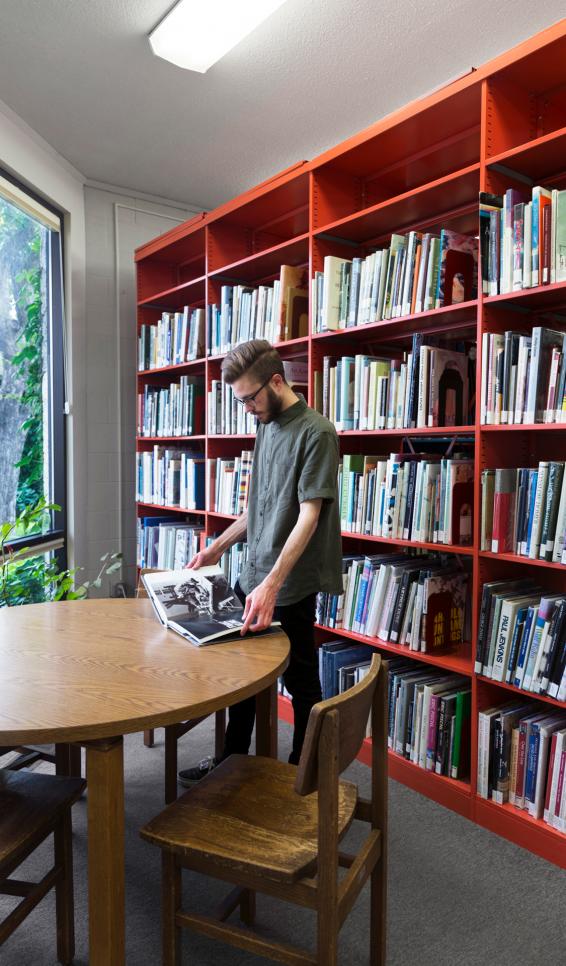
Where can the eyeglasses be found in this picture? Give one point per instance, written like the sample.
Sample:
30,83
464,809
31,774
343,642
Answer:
247,400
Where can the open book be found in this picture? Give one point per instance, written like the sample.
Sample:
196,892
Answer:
198,604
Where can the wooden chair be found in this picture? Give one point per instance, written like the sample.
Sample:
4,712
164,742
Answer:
270,827
66,758
32,806
176,731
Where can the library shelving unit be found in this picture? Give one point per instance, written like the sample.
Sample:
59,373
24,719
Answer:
420,168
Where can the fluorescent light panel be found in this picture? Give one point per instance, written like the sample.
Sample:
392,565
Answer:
197,33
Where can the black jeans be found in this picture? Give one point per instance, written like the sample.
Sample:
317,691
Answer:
301,679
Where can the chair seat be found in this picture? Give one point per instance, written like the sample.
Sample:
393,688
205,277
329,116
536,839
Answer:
245,815
30,804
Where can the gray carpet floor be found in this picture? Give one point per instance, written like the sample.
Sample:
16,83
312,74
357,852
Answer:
458,895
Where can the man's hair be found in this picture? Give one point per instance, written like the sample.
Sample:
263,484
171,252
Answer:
256,359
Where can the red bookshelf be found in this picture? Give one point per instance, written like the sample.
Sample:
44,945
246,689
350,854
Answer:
418,168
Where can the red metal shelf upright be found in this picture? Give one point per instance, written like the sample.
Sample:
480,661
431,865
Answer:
418,168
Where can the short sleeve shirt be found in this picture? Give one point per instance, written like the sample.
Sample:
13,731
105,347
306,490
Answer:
295,459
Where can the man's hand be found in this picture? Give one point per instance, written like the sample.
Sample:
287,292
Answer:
204,558
260,604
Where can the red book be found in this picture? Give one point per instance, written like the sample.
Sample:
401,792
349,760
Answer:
504,511
546,232
544,211
521,766
432,731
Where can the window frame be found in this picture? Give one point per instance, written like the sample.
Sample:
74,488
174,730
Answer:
55,538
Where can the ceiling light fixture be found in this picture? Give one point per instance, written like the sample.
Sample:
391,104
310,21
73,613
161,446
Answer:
197,33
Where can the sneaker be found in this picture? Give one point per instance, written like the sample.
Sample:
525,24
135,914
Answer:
191,776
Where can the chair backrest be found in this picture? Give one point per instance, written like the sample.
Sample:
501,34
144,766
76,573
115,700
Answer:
353,708
140,589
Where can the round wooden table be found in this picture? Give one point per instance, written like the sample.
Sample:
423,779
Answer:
90,672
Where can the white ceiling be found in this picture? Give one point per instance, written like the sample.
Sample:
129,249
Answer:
81,73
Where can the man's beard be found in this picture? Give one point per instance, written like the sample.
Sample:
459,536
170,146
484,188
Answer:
273,407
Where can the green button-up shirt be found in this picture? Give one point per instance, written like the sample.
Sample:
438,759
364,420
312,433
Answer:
295,459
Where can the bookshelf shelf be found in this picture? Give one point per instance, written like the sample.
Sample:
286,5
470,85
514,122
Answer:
180,367
218,436
425,431
419,168
287,348
540,297
169,509
526,694
266,264
447,319
539,160
169,439
176,297
423,206
396,542
514,558
520,827
460,662
530,428
455,795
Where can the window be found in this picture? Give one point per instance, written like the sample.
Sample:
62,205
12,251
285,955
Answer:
32,391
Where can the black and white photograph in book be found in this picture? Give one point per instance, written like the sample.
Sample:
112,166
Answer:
199,604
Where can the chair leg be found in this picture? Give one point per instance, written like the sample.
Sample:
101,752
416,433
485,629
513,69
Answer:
149,738
171,738
63,759
219,733
327,940
378,915
75,761
247,907
171,904
68,760
64,903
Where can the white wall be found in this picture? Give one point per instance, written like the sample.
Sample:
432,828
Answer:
27,156
116,224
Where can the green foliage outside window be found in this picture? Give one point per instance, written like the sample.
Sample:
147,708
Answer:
26,579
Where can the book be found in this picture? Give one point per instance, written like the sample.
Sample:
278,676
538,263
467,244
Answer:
293,303
457,272
448,388
199,604
503,511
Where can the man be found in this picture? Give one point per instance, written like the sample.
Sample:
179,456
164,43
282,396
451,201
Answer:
292,526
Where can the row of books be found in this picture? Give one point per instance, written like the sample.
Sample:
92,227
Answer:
165,543
426,387
341,664
409,496
522,637
176,410
232,561
429,718
524,511
428,711
522,759
523,239
418,602
277,312
170,477
228,483
523,377
225,415
416,273
176,338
